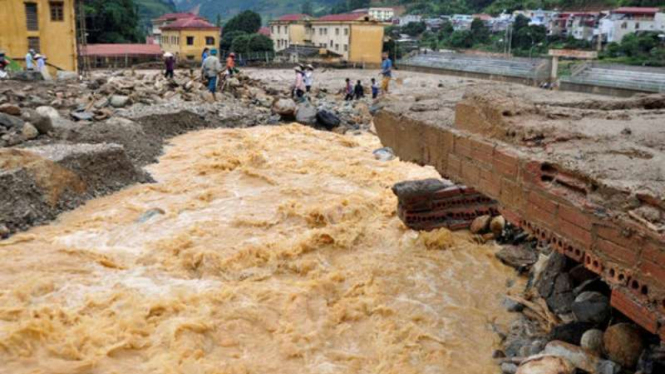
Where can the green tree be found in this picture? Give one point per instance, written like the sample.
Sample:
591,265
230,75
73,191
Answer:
228,37
247,21
481,34
307,8
248,43
112,21
461,39
414,28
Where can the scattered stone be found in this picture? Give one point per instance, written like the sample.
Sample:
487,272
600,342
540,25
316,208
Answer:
4,231
623,344
384,154
570,332
306,114
508,368
581,358
546,364
592,340
555,285
592,307
414,188
48,111
285,107
9,122
517,256
29,131
67,75
497,225
119,101
512,305
327,119
82,115
11,109
480,224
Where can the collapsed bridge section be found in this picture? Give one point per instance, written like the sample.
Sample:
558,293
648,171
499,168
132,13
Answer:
585,179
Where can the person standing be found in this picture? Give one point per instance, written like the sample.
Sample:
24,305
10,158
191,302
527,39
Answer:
299,87
359,91
375,89
309,77
348,90
205,54
387,72
211,69
41,62
231,64
30,60
169,64
3,65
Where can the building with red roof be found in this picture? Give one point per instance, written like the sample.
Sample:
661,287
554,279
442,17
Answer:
357,36
264,31
166,19
187,36
628,20
120,55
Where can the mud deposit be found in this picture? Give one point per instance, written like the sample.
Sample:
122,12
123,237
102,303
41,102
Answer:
269,250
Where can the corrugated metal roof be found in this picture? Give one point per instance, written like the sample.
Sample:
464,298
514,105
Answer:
121,49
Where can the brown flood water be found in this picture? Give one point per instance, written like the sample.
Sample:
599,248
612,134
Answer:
279,252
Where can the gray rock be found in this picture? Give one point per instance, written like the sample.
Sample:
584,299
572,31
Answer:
306,114
149,214
512,305
517,256
119,101
546,364
9,122
48,111
508,368
82,116
384,154
593,341
570,332
581,358
284,107
67,76
592,307
29,131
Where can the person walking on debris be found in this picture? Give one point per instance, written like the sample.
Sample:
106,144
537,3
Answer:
205,54
169,64
299,87
30,60
375,89
387,72
3,65
348,90
211,69
231,64
309,77
41,62
359,91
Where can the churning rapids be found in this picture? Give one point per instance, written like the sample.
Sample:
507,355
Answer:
278,251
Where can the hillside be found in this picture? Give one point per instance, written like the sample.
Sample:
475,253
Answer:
149,9
269,9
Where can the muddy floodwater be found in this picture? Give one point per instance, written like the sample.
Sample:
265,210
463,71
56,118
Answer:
264,250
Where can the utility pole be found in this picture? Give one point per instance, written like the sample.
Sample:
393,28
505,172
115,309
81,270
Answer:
81,38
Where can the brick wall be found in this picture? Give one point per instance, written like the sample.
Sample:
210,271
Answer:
548,202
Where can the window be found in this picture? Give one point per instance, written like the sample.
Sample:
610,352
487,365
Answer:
637,25
346,31
190,40
331,43
321,31
190,58
31,19
279,29
336,30
346,47
337,47
210,40
57,11
33,43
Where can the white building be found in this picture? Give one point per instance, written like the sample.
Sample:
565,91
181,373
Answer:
629,20
405,20
381,14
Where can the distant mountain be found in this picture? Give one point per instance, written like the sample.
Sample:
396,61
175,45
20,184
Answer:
268,9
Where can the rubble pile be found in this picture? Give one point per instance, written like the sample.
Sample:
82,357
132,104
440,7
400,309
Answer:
565,321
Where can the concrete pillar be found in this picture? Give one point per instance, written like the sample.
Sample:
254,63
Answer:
555,68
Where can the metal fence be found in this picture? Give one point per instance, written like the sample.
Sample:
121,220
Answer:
618,76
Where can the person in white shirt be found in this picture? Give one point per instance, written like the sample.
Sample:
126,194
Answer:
30,60
309,77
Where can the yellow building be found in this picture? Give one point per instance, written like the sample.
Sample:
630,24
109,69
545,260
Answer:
357,37
47,26
186,38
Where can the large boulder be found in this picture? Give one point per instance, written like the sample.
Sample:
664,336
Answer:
119,101
623,344
555,285
517,256
42,123
327,119
592,340
29,131
48,111
306,114
9,122
285,107
592,307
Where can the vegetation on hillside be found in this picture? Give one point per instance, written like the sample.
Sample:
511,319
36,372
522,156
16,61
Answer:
240,34
151,9
112,21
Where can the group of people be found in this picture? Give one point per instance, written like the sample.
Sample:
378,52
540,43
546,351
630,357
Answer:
304,81
211,67
358,91
34,61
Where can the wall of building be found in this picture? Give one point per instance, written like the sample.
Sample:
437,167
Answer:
366,43
333,36
57,39
297,34
184,51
